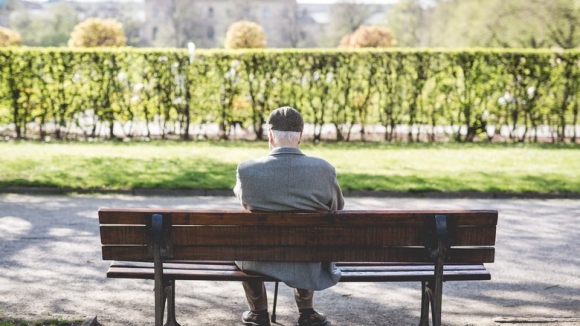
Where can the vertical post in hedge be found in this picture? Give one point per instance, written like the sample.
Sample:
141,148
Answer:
14,91
187,90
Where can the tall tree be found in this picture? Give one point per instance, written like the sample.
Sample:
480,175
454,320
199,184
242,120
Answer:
9,5
408,19
345,18
52,30
457,23
562,21
243,10
294,31
182,24
513,24
123,13
500,23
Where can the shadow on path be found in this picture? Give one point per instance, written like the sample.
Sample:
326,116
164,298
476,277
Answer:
50,265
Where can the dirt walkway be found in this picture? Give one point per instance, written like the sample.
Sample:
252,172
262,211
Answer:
50,265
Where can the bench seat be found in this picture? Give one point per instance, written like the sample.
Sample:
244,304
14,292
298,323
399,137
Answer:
351,272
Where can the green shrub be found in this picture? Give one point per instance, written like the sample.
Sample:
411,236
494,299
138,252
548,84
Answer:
94,32
245,35
369,37
413,95
9,37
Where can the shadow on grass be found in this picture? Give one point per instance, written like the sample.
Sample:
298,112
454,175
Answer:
479,182
212,175
129,173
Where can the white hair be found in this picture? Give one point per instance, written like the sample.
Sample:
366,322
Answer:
288,136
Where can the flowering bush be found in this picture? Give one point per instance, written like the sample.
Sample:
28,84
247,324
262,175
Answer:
98,32
369,37
245,35
9,37
345,41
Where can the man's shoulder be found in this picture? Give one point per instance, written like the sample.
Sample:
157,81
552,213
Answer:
311,161
318,161
253,162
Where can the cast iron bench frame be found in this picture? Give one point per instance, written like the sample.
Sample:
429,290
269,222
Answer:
369,246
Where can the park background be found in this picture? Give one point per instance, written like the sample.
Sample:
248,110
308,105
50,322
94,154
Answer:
454,97
409,98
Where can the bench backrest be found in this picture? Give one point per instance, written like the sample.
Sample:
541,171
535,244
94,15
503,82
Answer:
354,236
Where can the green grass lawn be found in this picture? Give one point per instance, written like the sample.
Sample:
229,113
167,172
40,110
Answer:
507,168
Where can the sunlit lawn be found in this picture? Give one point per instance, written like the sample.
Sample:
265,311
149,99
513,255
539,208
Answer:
361,166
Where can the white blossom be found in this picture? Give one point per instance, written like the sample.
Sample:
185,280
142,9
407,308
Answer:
122,76
531,91
329,77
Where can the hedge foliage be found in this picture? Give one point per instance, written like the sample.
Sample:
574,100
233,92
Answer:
412,94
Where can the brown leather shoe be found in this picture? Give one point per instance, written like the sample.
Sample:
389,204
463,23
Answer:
260,318
311,318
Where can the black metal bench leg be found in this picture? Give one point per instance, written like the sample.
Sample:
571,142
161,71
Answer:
161,284
159,302
437,285
425,303
170,294
431,298
273,317
433,289
436,305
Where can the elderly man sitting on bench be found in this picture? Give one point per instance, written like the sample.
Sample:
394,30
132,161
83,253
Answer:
287,180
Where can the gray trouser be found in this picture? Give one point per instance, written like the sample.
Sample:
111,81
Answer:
257,299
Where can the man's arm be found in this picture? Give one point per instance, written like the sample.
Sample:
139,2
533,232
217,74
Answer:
337,198
238,188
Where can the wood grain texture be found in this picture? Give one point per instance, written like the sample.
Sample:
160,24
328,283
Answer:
337,218
228,271
280,236
356,236
303,254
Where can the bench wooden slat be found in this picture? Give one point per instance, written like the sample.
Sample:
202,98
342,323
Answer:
179,274
289,236
230,272
396,267
266,236
344,266
474,236
128,253
221,235
345,218
123,234
392,254
416,276
229,266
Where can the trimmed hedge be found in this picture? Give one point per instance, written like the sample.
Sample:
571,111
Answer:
467,95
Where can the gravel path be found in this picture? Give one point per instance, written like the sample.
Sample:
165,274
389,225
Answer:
51,266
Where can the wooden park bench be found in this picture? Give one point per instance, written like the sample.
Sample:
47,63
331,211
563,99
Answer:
369,246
